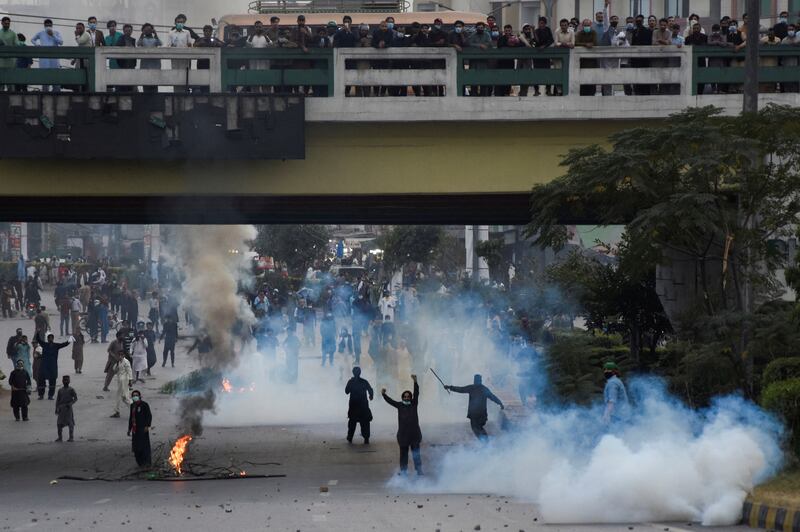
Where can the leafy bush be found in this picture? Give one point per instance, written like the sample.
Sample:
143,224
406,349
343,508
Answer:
783,398
575,362
781,369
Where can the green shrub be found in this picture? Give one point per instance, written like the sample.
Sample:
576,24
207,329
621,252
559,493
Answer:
781,369
575,362
783,398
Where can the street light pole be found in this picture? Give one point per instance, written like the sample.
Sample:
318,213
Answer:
750,100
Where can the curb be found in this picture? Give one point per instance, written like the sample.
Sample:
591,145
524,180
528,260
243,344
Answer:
760,515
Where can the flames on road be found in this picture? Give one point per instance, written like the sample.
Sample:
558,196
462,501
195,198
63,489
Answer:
227,387
176,455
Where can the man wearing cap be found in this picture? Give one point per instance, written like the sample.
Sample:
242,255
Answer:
617,407
476,411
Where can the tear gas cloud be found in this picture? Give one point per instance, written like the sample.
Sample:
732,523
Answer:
449,335
668,463
211,278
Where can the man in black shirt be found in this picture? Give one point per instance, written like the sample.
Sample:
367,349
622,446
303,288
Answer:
476,411
642,36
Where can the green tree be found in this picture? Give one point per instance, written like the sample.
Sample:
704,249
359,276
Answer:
404,244
700,188
296,246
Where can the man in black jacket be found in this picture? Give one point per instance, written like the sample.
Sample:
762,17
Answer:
49,369
139,423
642,36
408,431
476,411
358,389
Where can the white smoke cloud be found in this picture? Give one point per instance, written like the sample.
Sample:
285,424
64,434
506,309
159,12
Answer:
669,463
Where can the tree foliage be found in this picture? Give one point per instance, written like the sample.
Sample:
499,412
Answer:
296,246
706,187
615,297
404,244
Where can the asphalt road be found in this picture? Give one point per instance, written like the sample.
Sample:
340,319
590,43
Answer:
322,483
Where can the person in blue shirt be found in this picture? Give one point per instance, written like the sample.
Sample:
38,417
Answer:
48,37
615,397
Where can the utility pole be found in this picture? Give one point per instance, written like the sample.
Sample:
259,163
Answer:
750,100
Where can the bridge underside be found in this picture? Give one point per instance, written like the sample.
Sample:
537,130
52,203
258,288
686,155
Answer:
443,172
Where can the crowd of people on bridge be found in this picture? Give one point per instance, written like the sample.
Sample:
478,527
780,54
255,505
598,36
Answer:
605,30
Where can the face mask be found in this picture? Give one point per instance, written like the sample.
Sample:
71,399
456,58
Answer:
92,26
390,25
495,34
179,25
782,20
732,29
586,29
790,33
407,403
135,398
437,26
458,29
629,26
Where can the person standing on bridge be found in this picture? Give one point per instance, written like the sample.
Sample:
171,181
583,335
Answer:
48,37
408,431
476,411
358,413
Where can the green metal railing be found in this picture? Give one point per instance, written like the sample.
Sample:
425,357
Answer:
288,67
732,72
291,67
67,75
483,68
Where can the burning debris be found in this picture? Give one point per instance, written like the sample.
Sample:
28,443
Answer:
178,453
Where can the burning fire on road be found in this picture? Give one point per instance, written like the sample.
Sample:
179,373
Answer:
176,455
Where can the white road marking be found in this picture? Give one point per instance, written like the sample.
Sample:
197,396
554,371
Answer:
102,501
332,482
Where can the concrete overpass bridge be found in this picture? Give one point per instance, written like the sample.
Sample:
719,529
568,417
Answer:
216,154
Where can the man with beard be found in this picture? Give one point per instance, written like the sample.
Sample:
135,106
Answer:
476,411
361,394
139,429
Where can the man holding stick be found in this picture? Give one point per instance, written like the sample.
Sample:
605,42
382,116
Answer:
476,411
